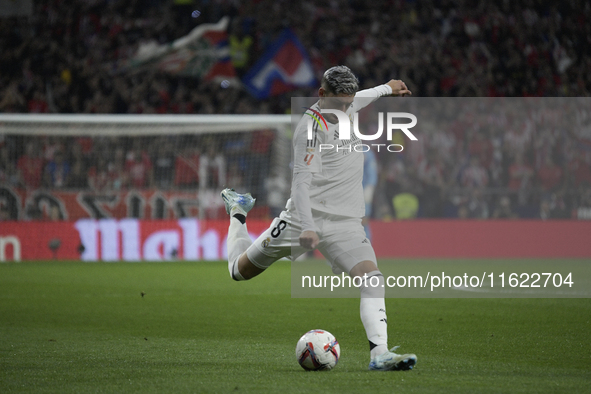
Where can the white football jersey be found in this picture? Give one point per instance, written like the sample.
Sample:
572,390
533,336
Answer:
337,174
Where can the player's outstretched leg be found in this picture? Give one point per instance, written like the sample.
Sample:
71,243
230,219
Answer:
237,206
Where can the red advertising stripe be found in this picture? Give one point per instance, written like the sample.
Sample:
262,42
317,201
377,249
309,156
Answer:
35,239
119,239
482,239
190,239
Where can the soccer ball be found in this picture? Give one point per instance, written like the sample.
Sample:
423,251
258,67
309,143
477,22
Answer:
318,350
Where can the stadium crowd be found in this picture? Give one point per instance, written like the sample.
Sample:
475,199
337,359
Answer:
69,58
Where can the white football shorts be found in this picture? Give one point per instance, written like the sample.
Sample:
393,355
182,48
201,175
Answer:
342,241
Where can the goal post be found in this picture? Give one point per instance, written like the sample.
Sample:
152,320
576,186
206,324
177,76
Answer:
144,166
135,125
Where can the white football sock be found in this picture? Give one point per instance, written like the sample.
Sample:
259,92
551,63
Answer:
373,313
238,242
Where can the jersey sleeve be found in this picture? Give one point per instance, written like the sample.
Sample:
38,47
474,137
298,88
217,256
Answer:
367,96
301,200
306,151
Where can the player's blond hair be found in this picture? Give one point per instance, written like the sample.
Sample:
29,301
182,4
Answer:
340,79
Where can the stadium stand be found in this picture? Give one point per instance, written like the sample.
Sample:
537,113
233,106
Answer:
66,59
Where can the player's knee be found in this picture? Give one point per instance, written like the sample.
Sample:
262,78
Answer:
372,285
234,270
363,268
244,269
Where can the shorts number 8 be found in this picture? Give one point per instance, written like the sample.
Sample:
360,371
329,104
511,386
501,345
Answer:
277,230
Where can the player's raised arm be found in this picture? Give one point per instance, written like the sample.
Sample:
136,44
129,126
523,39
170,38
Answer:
393,88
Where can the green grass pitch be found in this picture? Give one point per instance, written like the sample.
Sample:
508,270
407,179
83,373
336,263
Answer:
188,328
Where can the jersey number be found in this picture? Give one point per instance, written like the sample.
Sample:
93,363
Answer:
277,230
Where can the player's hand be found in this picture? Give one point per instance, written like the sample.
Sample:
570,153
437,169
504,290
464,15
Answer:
309,239
399,88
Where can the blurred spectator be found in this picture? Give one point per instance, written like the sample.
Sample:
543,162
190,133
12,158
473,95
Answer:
518,138
117,172
520,174
57,171
240,47
394,176
276,188
78,178
580,169
235,177
559,205
38,104
481,146
76,154
4,214
496,165
186,168
476,205
504,209
180,103
54,214
164,162
99,178
583,210
212,178
463,212
474,175
79,175
545,211
212,168
30,167
138,169
406,206
12,100
549,175
258,162
50,146
8,172
552,208
430,173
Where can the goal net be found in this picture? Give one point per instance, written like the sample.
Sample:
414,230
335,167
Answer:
70,167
